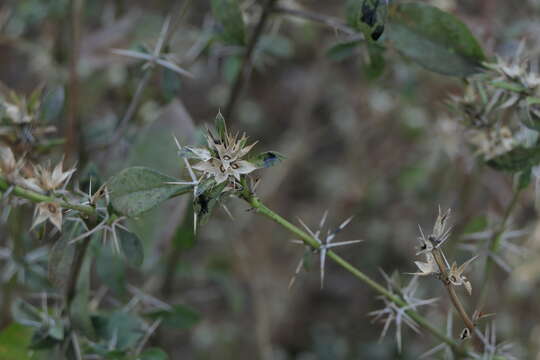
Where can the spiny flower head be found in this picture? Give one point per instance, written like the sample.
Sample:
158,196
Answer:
223,159
52,179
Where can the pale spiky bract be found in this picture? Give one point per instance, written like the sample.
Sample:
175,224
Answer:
398,314
326,243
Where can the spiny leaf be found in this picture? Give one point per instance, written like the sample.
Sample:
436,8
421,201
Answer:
435,39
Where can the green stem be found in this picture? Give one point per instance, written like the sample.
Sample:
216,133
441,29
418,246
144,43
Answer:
308,240
495,244
38,198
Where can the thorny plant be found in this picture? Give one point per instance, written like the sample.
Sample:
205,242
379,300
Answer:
501,115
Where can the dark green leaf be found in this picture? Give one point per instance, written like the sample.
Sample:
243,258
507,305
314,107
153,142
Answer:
368,16
516,160
131,247
79,308
375,68
138,189
524,179
343,50
110,267
179,317
184,238
435,39
52,104
154,354
14,342
266,159
229,16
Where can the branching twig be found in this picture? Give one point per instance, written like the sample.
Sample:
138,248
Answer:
308,240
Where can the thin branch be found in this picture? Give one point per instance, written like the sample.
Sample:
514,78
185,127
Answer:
439,259
245,68
38,198
322,19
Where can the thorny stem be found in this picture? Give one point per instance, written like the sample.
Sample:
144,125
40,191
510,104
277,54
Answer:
38,198
245,68
308,240
437,255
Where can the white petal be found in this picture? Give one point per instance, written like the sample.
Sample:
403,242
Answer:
244,167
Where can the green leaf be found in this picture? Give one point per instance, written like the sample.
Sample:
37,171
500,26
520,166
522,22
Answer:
184,237
179,317
435,39
138,189
131,247
52,104
61,256
368,16
266,159
343,50
126,328
229,16
375,68
110,267
154,354
14,342
80,308
518,159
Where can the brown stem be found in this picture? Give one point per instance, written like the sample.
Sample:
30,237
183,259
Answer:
73,141
245,69
437,255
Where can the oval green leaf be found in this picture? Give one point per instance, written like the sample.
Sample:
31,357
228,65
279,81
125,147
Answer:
138,189
437,40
